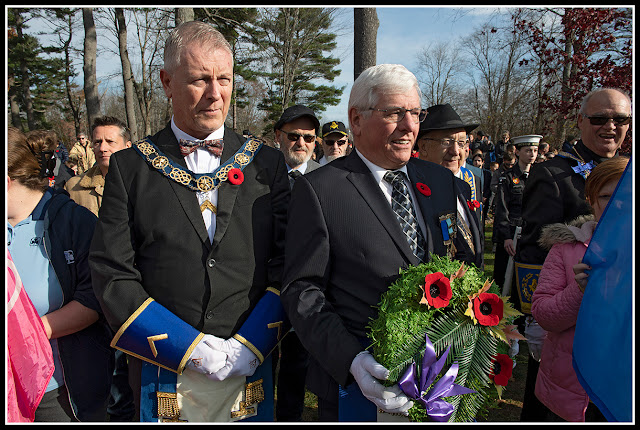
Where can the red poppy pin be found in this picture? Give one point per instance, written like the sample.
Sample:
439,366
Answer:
516,181
235,176
502,369
473,204
488,309
424,190
437,290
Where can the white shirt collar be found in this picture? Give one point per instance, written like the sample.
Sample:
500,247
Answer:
302,168
377,171
216,134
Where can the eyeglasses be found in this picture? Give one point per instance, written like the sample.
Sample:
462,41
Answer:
330,142
448,143
602,120
295,136
396,114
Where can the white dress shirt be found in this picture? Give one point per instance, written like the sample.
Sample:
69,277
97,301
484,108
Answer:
378,173
202,161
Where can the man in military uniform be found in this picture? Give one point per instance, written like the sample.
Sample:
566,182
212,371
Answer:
508,213
555,193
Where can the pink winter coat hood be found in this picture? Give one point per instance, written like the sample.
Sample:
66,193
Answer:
555,305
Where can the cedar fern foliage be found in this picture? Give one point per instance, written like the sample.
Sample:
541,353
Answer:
398,335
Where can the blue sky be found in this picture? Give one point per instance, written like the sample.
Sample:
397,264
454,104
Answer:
402,34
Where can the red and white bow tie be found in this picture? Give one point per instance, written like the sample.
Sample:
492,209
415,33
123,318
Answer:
214,146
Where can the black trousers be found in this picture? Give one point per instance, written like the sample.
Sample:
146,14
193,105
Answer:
55,407
294,360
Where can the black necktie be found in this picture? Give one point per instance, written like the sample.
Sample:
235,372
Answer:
293,175
405,213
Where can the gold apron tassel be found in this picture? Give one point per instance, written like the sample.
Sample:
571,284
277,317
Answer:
253,394
168,405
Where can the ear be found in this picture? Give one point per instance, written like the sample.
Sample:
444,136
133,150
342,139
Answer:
165,78
128,144
355,121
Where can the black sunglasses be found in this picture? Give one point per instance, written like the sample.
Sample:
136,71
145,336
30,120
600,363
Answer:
295,136
330,142
602,120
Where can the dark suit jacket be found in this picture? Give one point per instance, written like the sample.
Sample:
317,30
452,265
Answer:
554,193
464,251
151,240
344,247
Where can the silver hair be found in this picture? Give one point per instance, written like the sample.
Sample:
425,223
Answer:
379,80
190,32
585,100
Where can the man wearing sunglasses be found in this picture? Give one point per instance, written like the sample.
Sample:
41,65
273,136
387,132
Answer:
346,242
554,193
296,132
335,141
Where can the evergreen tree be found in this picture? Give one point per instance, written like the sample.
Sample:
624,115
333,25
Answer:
27,66
291,43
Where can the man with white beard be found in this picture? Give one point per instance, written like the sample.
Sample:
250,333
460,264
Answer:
296,132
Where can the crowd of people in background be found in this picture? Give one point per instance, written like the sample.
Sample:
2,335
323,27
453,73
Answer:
196,273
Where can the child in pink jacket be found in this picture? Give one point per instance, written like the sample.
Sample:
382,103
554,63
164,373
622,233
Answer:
558,295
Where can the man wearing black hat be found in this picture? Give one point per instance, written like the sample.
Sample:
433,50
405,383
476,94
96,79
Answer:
334,141
442,140
296,132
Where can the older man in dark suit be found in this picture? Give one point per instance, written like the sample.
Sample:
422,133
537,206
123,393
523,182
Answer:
442,140
346,242
189,249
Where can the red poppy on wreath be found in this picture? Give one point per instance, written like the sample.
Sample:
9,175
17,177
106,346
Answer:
473,204
488,309
235,176
502,369
423,189
437,290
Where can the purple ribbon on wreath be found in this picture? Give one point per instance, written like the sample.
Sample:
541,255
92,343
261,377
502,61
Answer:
416,387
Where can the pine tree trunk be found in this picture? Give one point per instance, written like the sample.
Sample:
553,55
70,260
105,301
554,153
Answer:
365,26
184,14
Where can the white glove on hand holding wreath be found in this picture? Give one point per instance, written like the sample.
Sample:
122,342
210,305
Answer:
367,371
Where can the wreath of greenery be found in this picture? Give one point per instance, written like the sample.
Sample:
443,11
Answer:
405,316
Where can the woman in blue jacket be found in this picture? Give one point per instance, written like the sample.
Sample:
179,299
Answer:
48,235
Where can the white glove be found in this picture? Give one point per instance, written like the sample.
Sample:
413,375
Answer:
205,359
535,337
241,361
365,369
